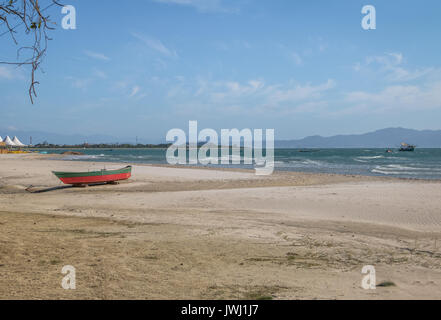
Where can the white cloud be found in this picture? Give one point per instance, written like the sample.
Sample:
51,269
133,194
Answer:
10,72
79,83
156,45
232,88
396,98
99,74
299,92
253,96
127,88
357,67
399,74
135,90
6,72
96,55
390,66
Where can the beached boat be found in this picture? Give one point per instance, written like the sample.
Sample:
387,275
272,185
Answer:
92,177
406,147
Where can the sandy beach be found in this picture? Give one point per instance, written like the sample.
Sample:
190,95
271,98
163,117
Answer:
186,233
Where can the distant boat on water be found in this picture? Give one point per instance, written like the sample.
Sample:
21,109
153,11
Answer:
406,147
309,150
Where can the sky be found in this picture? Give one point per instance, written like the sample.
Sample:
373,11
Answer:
143,67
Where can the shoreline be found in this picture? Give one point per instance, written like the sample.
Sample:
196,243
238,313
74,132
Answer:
370,173
202,167
198,233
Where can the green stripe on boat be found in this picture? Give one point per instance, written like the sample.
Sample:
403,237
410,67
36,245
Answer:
62,174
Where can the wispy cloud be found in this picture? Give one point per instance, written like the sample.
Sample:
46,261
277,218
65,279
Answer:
7,72
391,67
300,92
231,91
86,82
292,54
79,83
99,74
156,45
96,55
134,91
296,58
398,98
253,96
203,5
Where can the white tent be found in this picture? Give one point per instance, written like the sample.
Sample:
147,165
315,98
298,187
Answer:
9,142
1,139
18,142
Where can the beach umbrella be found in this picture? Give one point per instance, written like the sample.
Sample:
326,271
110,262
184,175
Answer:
9,142
18,142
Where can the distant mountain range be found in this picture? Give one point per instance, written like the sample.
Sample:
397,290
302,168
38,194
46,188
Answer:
384,138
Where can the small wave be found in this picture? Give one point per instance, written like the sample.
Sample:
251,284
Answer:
400,167
387,172
83,157
308,162
359,160
407,168
229,159
396,169
370,157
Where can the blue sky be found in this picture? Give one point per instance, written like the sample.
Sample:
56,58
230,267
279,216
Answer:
300,67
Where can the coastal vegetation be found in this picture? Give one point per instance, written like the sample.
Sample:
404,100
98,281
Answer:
46,145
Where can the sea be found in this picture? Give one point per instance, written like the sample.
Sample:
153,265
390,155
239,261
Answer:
420,164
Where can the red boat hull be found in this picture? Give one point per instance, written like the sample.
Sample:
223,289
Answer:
96,179
84,178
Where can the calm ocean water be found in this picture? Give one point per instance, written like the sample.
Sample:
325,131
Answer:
422,163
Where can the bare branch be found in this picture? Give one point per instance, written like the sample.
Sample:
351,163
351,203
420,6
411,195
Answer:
31,15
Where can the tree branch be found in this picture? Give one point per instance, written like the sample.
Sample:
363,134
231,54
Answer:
30,14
